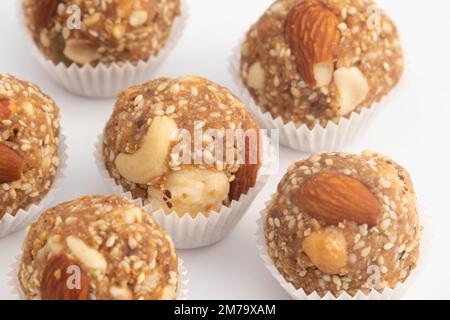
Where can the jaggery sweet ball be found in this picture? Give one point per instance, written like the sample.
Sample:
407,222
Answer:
161,144
108,31
29,139
343,222
315,61
98,248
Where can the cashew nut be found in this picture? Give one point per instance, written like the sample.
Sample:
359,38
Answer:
151,160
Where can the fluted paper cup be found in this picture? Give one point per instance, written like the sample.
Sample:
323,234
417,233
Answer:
15,289
11,223
188,232
105,81
332,137
386,294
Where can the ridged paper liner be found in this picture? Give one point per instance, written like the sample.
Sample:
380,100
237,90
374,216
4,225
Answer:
187,232
105,81
16,290
12,223
332,137
386,294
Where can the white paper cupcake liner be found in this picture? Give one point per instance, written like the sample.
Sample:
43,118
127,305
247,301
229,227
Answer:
333,137
15,290
187,232
386,294
105,81
12,223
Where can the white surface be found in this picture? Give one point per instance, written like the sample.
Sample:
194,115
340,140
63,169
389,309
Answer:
413,130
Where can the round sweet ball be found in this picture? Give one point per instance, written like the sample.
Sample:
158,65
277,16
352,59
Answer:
92,32
185,145
98,248
29,138
342,223
314,61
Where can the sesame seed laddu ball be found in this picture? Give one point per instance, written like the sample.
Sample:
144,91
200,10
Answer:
147,152
29,139
98,248
315,61
108,31
343,222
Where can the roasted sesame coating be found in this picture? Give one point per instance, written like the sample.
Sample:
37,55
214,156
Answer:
392,246
369,41
118,246
190,104
110,30
30,127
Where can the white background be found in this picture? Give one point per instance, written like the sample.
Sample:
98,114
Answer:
414,130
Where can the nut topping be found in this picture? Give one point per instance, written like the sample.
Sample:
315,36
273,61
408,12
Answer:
196,190
256,76
63,279
11,165
46,12
81,51
246,176
89,257
327,250
334,197
150,161
352,86
312,33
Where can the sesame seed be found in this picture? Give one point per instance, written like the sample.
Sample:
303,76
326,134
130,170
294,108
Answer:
342,26
110,242
365,252
138,99
385,184
385,224
141,278
361,244
337,281
170,109
175,88
277,222
162,86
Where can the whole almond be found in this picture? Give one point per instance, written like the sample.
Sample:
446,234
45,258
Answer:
333,197
63,279
44,13
312,33
245,177
11,165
